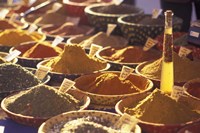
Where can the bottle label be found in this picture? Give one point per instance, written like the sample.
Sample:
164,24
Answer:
194,34
183,51
66,85
117,2
93,49
3,13
12,55
41,72
125,72
110,28
149,44
126,123
167,48
32,28
74,20
57,41
177,92
156,13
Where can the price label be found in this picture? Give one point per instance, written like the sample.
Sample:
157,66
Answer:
183,51
74,20
117,2
93,49
66,85
57,40
56,6
12,55
110,28
32,28
149,44
125,72
156,13
194,34
14,17
126,123
3,13
2,128
41,72
177,92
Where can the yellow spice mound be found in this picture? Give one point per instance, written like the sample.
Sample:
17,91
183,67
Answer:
74,60
111,84
160,108
184,69
15,37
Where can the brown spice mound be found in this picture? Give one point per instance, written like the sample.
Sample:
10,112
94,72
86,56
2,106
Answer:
69,28
131,54
184,69
103,39
5,24
16,37
42,50
160,108
110,84
74,60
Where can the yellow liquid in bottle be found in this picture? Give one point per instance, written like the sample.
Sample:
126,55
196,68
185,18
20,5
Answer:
167,77
167,72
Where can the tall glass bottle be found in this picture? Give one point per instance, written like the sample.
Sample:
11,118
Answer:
167,72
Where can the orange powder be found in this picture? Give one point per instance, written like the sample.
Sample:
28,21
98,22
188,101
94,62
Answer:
110,84
42,50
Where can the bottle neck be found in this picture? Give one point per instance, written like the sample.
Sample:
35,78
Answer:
168,38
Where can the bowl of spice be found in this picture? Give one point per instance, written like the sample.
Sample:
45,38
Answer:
180,39
34,52
193,128
137,28
100,38
107,88
84,121
192,88
100,15
75,8
24,79
158,112
129,56
184,70
18,37
8,24
72,63
65,30
34,106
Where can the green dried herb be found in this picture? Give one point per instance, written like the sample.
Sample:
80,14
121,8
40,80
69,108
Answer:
15,77
42,101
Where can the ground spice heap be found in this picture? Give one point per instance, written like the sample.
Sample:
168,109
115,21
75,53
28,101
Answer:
103,39
74,60
109,84
160,108
5,24
82,125
68,29
42,50
15,37
15,77
130,54
184,69
42,101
